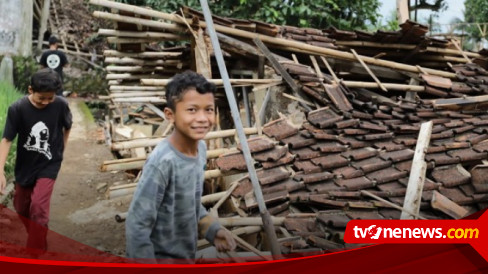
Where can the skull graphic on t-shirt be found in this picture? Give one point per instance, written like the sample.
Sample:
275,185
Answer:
53,61
38,140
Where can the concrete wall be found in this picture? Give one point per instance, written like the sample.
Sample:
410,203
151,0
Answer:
16,27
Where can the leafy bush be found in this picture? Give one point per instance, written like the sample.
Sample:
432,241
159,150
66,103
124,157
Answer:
8,95
24,67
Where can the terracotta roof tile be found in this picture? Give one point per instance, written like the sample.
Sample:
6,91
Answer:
360,154
438,128
279,129
457,145
355,131
478,139
306,166
393,189
371,164
398,156
324,135
352,143
348,172
324,117
481,147
330,161
231,161
288,158
372,126
271,155
441,159
459,130
405,140
386,175
347,123
454,123
465,137
314,177
479,178
372,137
361,115
338,220
441,135
337,96
298,141
382,115
364,215
452,175
361,205
355,183
328,147
269,198
392,214
305,153
244,187
268,176
404,166
388,146
467,189
481,129
288,185
300,224
468,154
320,199
428,184
456,195
258,144
324,187
436,149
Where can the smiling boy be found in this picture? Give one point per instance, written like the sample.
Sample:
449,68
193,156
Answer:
42,122
166,214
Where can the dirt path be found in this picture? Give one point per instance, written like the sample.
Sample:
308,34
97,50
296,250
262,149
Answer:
78,210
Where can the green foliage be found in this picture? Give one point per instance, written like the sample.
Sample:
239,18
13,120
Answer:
476,11
8,95
343,14
24,67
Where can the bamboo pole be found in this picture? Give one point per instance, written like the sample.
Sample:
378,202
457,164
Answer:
406,47
142,62
142,34
140,21
128,76
132,69
358,84
212,198
114,53
148,142
292,45
218,82
382,87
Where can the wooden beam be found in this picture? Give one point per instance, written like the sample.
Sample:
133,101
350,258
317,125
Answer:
369,71
134,20
279,68
218,82
142,34
151,142
466,103
417,173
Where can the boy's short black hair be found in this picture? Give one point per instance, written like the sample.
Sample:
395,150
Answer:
182,82
53,40
44,80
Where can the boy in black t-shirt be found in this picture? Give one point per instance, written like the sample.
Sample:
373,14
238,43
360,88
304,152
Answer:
54,59
42,122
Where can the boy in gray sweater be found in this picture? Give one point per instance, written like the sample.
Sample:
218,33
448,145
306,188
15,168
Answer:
166,214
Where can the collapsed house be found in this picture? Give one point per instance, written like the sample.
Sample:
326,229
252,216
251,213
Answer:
334,119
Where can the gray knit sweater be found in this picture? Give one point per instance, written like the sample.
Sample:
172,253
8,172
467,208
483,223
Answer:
163,217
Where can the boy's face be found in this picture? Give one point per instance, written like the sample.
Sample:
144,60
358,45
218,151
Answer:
41,99
194,114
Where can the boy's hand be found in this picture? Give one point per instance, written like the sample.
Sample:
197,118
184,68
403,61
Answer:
223,241
3,183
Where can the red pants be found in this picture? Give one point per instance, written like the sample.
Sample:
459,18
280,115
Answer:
33,204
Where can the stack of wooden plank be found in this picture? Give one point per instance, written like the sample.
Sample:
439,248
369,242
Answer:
365,97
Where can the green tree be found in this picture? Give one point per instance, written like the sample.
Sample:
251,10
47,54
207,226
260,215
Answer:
343,14
476,11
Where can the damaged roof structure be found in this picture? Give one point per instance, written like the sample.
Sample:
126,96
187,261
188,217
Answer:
364,97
